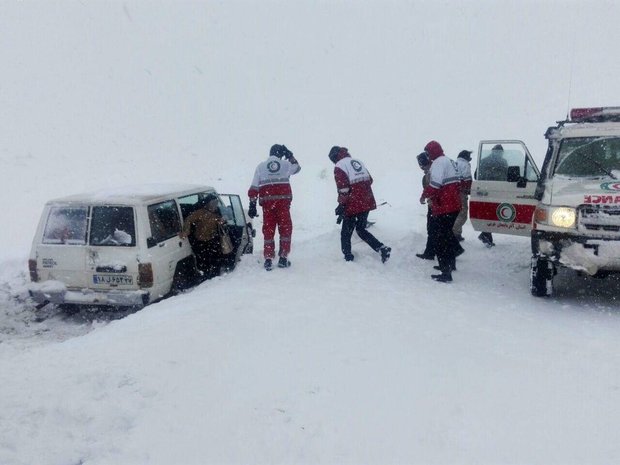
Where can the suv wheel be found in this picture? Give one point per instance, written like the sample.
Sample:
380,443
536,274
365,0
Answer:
185,276
541,277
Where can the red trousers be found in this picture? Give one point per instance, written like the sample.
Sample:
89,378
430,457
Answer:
277,214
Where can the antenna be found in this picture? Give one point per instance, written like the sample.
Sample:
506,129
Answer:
570,80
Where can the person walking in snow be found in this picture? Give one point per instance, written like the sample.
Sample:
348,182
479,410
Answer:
271,187
464,168
355,201
424,162
443,191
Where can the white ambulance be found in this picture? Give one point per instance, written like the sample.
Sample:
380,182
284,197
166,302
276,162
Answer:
570,208
121,247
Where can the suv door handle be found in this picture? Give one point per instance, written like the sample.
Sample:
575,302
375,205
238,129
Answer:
481,192
180,244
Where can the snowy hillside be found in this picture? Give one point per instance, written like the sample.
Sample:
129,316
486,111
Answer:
326,362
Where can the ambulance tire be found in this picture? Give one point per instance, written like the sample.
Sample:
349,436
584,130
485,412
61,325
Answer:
541,277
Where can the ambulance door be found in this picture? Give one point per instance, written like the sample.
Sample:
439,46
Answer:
502,193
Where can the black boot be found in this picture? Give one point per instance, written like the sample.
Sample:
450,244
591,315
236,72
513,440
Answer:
385,253
443,277
268,264
425,256
283,263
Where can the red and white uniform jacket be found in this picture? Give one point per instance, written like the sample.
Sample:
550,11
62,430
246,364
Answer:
271,181
464,169
353,182
444,189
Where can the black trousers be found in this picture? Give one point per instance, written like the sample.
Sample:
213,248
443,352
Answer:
357,223
208,257
431,233
445,241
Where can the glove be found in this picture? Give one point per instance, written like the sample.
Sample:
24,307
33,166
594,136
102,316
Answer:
252,209
339,210
286,153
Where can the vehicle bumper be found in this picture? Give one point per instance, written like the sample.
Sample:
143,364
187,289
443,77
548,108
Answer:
57,293
582,253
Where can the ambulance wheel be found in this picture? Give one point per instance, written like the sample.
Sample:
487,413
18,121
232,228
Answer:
541,277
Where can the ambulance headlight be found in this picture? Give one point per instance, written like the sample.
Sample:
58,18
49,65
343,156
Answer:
560,217
563,217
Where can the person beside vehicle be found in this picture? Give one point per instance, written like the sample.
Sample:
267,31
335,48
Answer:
271,187
355,201
462,162
493,167
443,191
203,224
424,162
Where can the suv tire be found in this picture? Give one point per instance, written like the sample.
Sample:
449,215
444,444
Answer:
185,275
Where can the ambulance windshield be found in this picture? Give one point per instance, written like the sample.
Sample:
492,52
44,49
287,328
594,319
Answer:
589,157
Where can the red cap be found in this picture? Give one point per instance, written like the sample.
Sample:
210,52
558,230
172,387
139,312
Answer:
433,149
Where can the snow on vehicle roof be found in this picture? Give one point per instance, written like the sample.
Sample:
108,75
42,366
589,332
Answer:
134,194
603,129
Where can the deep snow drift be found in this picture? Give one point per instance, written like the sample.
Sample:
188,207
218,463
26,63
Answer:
325,362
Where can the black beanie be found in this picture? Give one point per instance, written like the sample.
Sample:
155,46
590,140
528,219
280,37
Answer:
333,153
276,151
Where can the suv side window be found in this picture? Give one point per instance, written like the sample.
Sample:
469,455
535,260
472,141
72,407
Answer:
164,220
190,203
112,226
66,225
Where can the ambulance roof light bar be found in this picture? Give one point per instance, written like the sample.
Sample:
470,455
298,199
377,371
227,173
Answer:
595,114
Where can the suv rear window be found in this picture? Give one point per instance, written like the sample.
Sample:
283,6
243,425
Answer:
66,225
112,226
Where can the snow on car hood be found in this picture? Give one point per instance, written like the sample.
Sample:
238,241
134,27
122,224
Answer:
575,191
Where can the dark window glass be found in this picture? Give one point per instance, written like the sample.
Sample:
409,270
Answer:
112,226
164,220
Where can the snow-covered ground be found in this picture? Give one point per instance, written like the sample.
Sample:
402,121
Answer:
326,362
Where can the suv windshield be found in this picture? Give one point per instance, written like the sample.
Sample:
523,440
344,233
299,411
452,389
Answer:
589,157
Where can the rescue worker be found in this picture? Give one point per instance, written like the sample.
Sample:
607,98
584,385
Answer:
443,191
464,168
424,162
271,186
355,201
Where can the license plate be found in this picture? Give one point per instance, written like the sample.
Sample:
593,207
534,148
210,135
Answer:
113,279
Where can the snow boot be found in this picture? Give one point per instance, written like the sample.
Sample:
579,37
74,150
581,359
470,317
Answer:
385,253
268,265
349,257
425,256
283,263
487,239
443,277
459,251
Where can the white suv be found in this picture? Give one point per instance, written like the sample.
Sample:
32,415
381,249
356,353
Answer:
121,247
571,208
